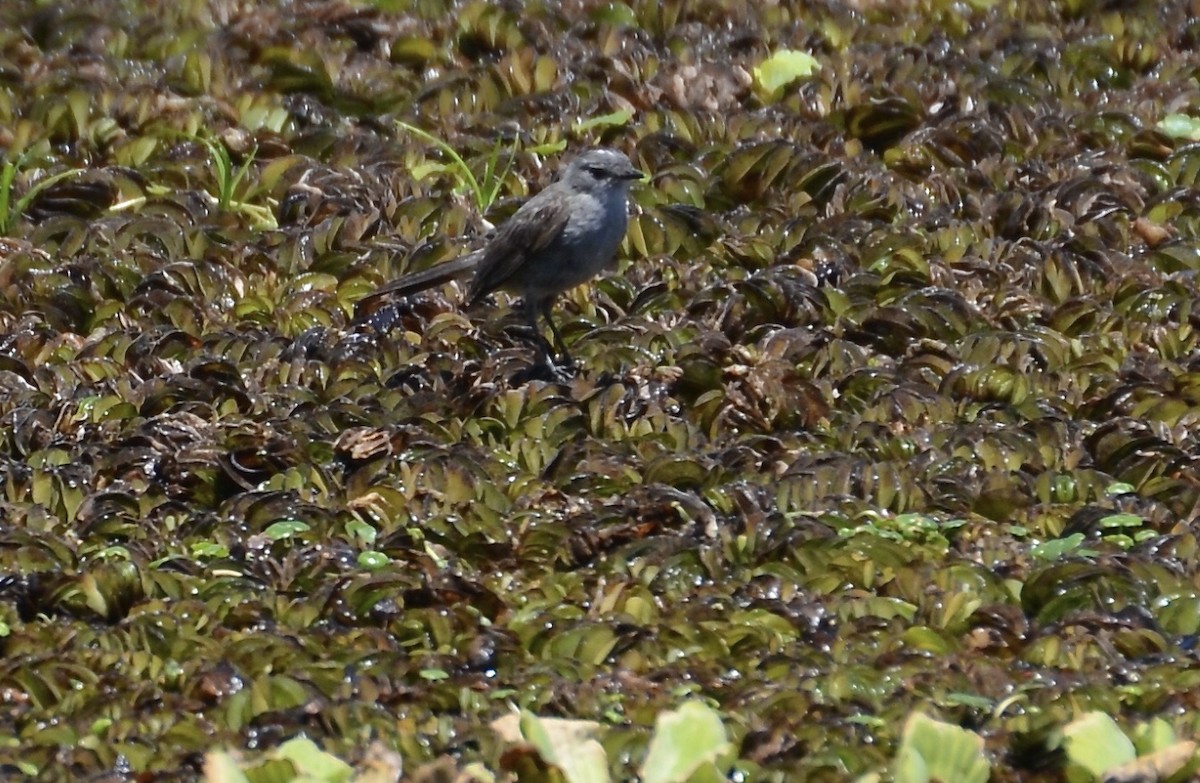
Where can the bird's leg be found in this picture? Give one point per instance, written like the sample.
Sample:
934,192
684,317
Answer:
559,345
545,350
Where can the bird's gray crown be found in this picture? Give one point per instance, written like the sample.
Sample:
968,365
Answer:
600,168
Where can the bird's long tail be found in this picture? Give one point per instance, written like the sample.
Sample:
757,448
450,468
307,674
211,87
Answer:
414,283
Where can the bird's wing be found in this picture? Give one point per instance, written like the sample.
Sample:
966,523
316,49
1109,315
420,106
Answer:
528,232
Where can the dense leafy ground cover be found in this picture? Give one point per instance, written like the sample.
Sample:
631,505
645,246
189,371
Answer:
891,406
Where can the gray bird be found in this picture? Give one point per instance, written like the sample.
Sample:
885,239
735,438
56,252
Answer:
562,237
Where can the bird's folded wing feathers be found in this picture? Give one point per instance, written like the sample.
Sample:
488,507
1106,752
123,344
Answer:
528,232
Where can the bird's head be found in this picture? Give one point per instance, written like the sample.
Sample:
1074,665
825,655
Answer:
601,169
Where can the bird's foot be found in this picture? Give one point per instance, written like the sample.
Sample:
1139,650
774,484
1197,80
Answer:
548,369
564,373
561,368
564,361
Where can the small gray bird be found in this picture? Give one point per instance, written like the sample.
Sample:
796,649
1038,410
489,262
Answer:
562,237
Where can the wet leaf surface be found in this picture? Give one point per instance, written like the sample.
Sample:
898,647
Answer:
890,405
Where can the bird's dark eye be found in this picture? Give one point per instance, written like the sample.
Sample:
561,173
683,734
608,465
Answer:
597,172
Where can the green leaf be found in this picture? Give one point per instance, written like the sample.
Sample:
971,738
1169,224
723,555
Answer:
285,528
1096,743
686,741
547,148
93,595
932,750
483,192
972,700
615,14
372,561
11,211
1154,735
783,68
569,745
1121,520
209,549
618,118
219,767
1180,126
313,762
420,171
909,766
1057,547
362,531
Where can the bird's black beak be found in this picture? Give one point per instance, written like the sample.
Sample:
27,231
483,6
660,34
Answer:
631,173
